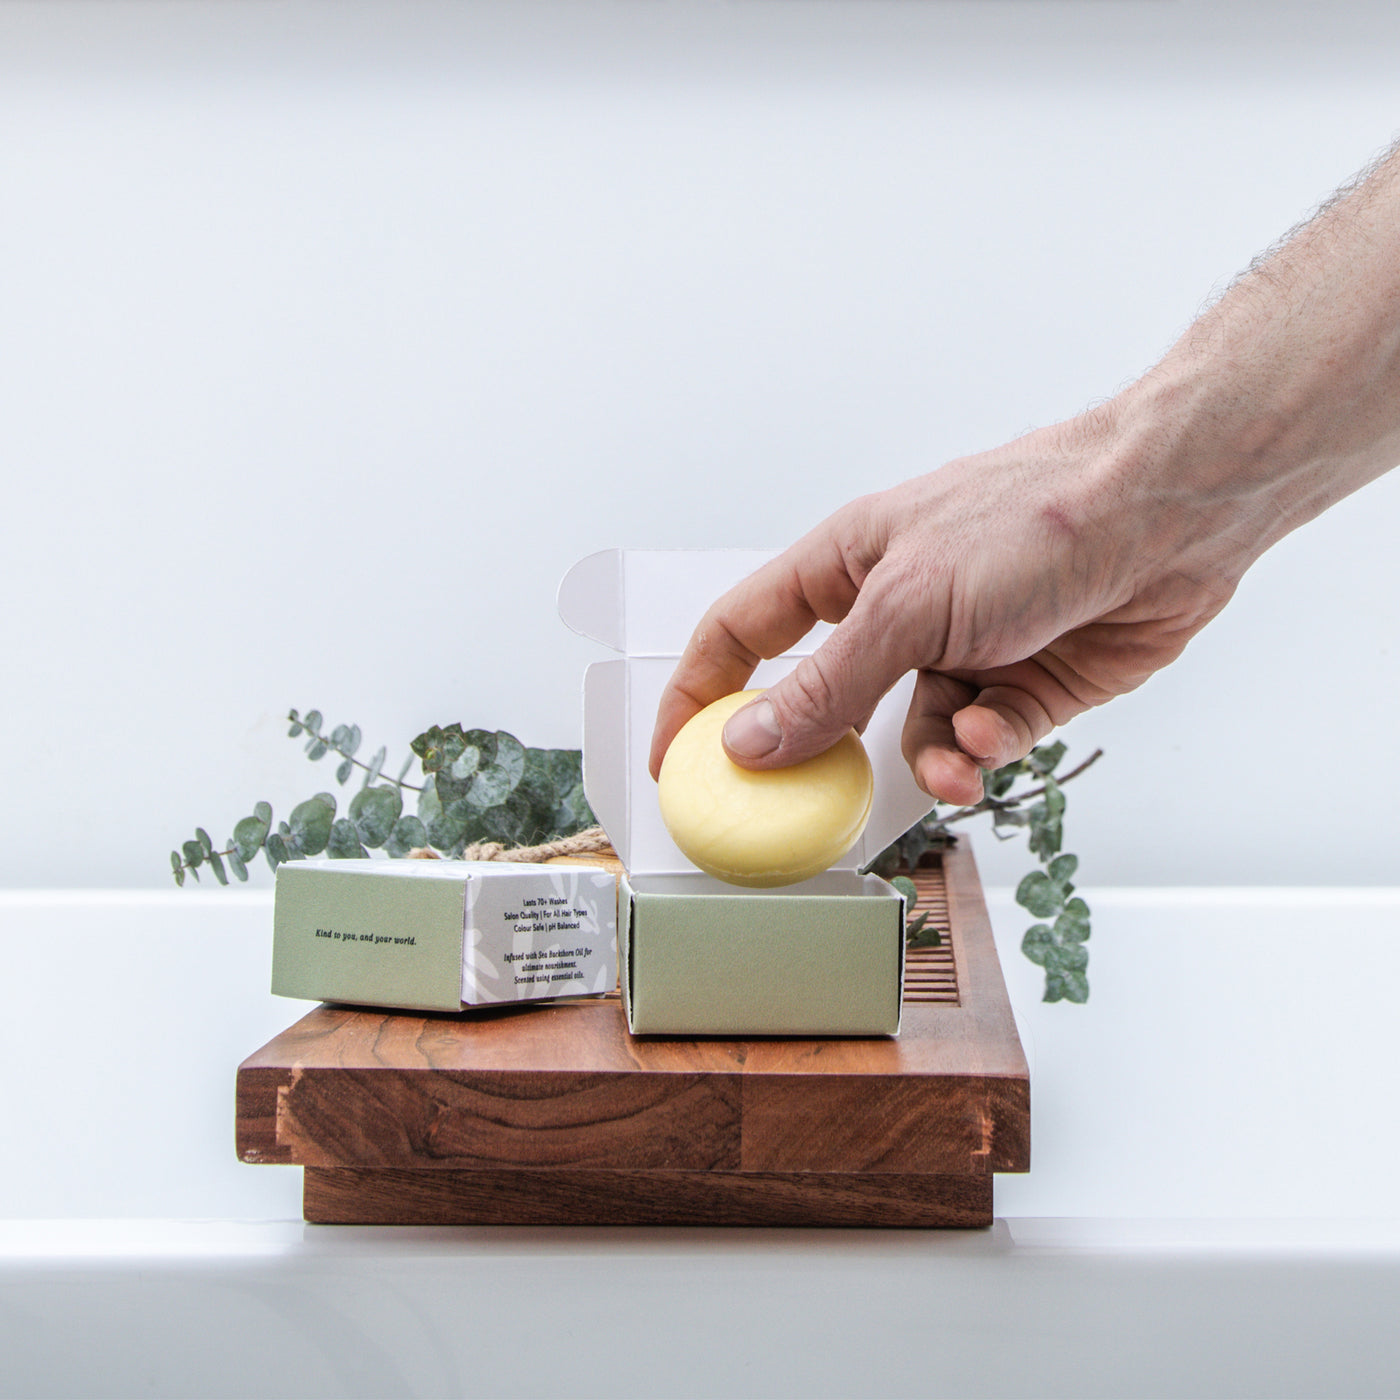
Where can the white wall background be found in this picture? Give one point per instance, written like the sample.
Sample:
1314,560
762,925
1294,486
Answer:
330,334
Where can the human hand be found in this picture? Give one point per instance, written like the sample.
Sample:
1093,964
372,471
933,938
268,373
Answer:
1023,585
1029,583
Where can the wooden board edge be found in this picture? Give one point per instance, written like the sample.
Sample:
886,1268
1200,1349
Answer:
358,1196
258,1093
981,985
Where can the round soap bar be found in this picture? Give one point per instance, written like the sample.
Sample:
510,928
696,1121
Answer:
760,829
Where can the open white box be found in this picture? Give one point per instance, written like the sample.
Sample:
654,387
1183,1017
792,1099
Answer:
824,957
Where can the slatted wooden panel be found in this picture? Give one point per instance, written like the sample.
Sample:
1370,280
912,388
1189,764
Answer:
931,974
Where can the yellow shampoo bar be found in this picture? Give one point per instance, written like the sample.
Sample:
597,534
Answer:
761,829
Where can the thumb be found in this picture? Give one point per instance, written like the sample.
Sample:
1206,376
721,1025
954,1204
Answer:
835,689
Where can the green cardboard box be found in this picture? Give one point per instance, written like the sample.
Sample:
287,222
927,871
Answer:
700,957
441,935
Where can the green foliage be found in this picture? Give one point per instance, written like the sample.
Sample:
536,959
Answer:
479,785
1038,810
484,785
917,933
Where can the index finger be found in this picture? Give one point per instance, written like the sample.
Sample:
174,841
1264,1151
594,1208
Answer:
770,611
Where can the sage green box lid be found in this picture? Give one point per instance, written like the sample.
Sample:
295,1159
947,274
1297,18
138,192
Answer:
701,958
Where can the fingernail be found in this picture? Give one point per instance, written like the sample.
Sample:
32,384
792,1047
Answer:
753,732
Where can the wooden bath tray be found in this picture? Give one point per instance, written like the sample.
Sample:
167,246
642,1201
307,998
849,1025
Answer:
555,1115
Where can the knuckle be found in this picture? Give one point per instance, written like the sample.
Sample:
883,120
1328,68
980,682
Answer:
812,697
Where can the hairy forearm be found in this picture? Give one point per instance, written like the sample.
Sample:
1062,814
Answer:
1284,396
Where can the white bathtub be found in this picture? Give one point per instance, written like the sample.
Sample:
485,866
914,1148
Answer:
1212,1210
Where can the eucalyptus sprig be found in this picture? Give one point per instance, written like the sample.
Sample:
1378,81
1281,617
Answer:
479,785
1046,892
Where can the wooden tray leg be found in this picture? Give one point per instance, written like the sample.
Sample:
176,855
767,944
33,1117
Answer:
384,1196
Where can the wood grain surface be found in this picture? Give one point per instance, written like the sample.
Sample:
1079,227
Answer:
353,1196
532,1095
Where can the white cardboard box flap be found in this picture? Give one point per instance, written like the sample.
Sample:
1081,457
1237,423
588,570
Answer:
645,604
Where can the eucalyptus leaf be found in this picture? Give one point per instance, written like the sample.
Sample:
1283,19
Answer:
573,813
194,854
1069,957
998,782
342,774
275,848
352,741
1062,868
176,864
1040,894
491,786
429,804
564,766
311,825
1038,942
217,865
913,845
317,749
249,835
540,825
263,812
374,812
482,740
510,756
465,764
437,747
408,834
1076,987
508,821
908,889
202,837
1047,830
344,843
1072,926
536,789
237,864
444,828
180,877
1066,986
454,743
339,735
1045,758
921,935
376,764
470,823
313,721
451,788
407,764
428,747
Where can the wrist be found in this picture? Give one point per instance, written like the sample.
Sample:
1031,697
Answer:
1157,490
1222,451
